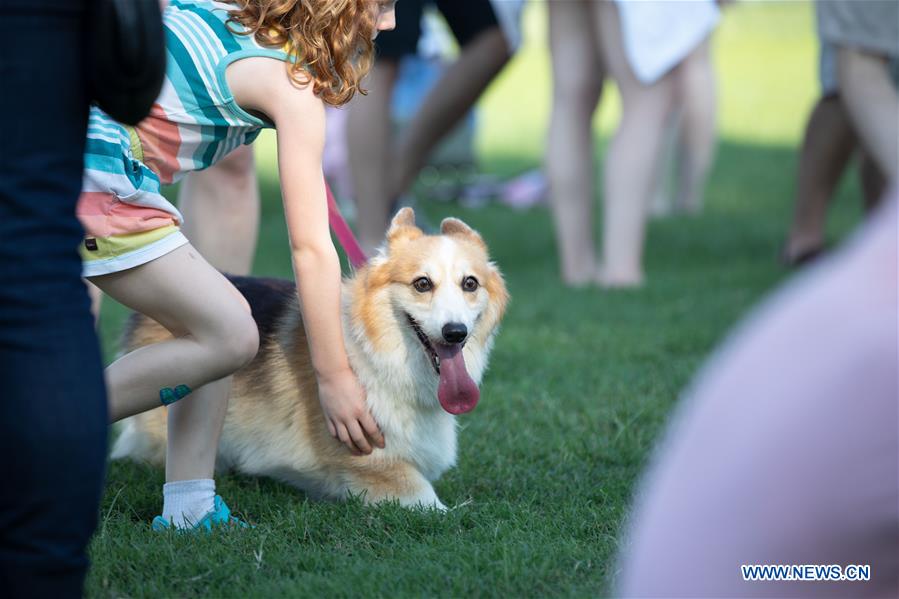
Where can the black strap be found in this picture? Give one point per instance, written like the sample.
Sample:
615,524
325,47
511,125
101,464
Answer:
127,50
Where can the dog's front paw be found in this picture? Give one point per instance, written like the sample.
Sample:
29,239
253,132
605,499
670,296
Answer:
435,505
426,499
401,483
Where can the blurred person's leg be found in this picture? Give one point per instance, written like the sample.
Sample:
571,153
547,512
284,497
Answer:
661,200
872,181
483,53
632,163
827,145
786,449
370,152
384,169
371,147
577,85
697,130
873,106
221,211
53,410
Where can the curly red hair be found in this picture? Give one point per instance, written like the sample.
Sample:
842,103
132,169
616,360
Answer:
329,41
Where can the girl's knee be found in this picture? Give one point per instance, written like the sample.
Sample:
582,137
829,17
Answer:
243,341
244,303
241,332
235,341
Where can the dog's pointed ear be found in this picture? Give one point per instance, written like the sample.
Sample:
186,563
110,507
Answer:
455,227
402,227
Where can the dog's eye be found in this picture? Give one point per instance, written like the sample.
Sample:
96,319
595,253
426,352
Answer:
422,284
470,284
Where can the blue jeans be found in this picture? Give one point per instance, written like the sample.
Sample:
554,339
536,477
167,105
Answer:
53,421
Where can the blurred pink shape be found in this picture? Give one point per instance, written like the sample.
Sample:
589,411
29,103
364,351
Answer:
525,191
335,159
786,448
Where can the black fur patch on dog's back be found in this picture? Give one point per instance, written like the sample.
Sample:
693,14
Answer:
268,298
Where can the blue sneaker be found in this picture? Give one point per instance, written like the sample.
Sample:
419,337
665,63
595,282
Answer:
219,516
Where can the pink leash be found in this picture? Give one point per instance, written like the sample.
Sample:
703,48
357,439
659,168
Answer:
343,232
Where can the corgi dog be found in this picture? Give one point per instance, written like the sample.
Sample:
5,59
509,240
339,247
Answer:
419,321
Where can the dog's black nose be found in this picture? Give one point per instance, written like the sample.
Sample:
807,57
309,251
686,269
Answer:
454,332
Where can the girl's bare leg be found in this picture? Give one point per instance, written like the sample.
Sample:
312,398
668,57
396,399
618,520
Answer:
577,85
213,329
632,163
194,428
214,336
221,207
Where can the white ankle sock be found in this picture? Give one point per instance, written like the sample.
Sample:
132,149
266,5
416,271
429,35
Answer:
185,502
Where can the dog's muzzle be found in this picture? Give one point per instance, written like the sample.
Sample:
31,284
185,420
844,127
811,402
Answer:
432,353
456,391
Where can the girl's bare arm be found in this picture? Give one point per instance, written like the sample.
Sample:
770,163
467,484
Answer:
262,84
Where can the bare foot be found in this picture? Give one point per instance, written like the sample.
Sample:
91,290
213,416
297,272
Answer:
607,279
801,246
580,272
797,254
579,279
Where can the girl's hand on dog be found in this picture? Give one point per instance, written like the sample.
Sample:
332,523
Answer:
343,400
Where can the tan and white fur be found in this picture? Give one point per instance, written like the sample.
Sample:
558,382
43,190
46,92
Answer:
275,426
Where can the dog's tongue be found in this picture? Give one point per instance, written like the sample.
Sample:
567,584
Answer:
457,393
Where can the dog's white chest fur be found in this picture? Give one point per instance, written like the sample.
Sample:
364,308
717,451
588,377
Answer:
426,438
404,404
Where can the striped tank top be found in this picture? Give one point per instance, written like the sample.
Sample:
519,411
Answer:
194,123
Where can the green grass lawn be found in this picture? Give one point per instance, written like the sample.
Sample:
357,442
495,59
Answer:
580,385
